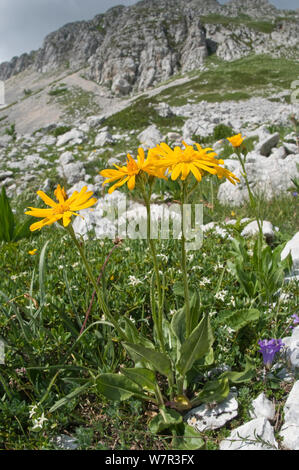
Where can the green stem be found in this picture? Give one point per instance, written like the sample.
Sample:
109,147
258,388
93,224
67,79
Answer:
159,320
184,262
254,208
101,300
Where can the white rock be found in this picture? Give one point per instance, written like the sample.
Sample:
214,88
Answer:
279,153
245,437
290,430
205,418
269,176
292,247
72,137
290,436
48,140
262,408
291,149
65,442
104,138
30,161
265,147
252,229
150,137
291,408
66,158
73,172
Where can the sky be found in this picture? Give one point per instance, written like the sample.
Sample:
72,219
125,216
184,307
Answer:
25,23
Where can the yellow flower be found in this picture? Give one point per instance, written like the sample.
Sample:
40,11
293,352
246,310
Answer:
236,140
128,173
32,252
63,209
180,162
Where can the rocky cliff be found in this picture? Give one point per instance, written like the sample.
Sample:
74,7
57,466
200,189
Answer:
132,48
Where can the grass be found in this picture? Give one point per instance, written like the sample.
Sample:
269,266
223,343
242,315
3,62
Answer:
75,102
242,20
140,115
240,79
43,305
44,348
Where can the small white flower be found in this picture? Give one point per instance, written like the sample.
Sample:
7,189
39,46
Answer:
32,411
204,281
232,301
221,295
133,281
38,423
163,257
218,266
172,312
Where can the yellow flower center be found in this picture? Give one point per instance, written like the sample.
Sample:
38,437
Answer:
61,208
132,168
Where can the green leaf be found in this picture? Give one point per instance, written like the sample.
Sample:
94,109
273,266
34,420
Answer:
159,361
22,230
70,396
41,271
215,390
116,387
145,378
178,323
169,419
244,376
189,439
240,318
7,220
134,336
196,346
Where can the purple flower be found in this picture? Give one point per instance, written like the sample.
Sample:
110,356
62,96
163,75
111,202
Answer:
295,194
296,319
268,349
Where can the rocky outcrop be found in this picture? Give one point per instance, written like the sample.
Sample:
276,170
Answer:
133,48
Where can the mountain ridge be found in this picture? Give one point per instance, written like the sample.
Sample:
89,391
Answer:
132,48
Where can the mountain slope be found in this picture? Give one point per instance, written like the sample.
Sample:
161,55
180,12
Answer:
132,48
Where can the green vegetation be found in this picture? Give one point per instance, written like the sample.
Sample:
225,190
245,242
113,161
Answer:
140,115
75,101
240,79
262,26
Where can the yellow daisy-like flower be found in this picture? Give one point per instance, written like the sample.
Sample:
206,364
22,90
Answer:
63,209
32,252
180,162
127,174
236,140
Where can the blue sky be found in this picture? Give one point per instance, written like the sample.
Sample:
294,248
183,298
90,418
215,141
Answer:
25,23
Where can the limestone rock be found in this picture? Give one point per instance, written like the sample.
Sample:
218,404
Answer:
252,229
103,138
72,137
292,247
263,408
204,418
245,437
290,429
265,147
150,137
